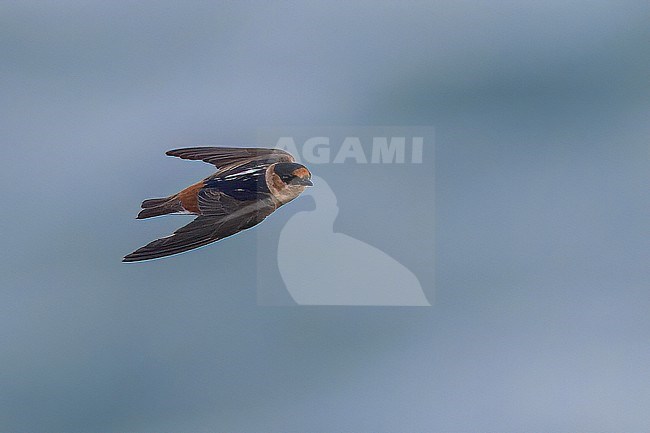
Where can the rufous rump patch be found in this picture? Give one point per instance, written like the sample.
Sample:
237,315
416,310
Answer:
189,197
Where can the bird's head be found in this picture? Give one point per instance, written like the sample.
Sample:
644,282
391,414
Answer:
293,174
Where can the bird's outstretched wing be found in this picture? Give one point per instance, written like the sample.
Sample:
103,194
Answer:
230,159
222,217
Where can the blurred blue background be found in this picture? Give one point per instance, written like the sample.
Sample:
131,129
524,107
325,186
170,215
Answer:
540,319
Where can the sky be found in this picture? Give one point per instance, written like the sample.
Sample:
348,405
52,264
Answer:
539,318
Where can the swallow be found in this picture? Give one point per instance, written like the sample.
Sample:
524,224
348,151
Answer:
249,185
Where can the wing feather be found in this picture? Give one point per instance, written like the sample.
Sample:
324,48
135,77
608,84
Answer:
229,159
205,229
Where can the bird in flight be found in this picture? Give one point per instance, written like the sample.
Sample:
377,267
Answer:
250,183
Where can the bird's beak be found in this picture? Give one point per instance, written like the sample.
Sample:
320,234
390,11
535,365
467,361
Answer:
302,181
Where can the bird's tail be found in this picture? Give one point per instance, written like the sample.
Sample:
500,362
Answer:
160,206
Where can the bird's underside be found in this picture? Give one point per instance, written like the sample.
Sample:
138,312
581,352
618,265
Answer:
233,199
